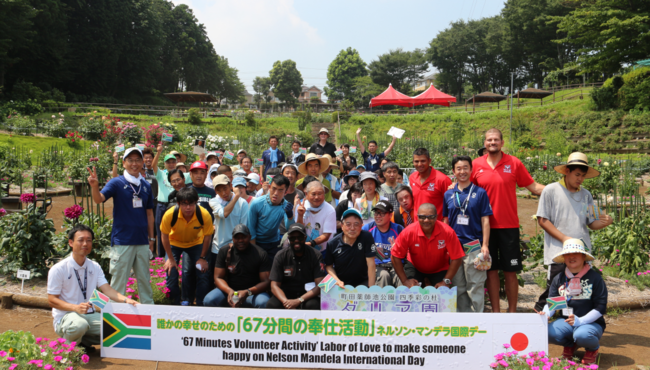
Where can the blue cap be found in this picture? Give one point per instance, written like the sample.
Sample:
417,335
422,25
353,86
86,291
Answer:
238,181
364,167
351,212
353,173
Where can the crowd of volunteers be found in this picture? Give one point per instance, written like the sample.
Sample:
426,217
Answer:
265,237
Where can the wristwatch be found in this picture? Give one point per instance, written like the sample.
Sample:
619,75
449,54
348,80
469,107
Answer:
203,258
249,292
152,239
301,300
447,281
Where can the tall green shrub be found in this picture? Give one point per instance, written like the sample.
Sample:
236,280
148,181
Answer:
194,116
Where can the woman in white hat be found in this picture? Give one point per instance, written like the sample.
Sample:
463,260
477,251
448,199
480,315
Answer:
370,197
581,323
566,208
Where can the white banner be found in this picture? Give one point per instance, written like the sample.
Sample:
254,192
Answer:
316,339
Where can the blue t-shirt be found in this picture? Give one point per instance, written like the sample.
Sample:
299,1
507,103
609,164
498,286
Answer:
266,159
382,240
205,194
478,206
130,225
368,158
264,219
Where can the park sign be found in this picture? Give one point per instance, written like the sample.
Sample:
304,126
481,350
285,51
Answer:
389,299
315,339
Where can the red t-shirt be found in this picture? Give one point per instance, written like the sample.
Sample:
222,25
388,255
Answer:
501,186
428,255
431,191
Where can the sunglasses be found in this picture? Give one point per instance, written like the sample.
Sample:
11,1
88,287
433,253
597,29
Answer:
425,217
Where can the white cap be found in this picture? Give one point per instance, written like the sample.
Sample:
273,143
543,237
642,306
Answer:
254,178
131,150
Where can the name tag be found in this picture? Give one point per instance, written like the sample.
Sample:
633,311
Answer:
462,220
567,311
373,162
137,202
288,272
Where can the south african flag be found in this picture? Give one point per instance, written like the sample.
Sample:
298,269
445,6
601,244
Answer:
472,246
556,303
99,299
126,331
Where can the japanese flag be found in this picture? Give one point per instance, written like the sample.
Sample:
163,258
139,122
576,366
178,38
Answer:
521,338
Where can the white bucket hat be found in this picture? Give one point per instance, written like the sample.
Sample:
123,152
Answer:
573,246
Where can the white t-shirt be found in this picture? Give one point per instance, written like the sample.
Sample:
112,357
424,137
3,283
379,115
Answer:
317,224
367,214
62,281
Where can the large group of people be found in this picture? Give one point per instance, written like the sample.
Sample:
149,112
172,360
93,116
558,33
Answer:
267,237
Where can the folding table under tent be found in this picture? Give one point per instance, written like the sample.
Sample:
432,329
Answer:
391,97
433,96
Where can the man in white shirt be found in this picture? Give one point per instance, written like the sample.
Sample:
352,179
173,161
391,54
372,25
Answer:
70,284
318,216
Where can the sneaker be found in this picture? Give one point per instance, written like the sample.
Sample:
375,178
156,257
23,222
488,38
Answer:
185,303
590,357
569,352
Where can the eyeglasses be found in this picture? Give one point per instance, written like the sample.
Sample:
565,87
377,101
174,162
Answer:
177,181
425,217
352,224
134,161
380,213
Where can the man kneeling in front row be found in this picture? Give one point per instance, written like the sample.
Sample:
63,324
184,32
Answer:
296,272
70,283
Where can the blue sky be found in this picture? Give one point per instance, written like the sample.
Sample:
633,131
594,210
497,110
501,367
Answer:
253,34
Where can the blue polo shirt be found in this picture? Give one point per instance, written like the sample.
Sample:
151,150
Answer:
264,219
266,159
130,225
478,206
368,158
382,239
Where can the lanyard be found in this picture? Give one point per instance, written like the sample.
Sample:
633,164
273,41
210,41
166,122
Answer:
463,207
135,194
85,286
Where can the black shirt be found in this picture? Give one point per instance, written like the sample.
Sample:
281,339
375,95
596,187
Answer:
350,261
340,208
294,272
593,296
353,161
291,198
205,194
244,269
298,159
329,148
150,176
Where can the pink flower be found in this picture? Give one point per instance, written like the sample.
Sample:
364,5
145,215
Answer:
53,344
85,358
48,367
38,340
2,212
494,365
10,358
626,281
3,353
503,363
61,340
27,198
73,212
506,345
13,366
58,358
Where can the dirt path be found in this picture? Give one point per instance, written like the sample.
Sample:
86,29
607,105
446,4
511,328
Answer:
625,344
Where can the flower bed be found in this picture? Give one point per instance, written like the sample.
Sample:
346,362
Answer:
21,350
512,360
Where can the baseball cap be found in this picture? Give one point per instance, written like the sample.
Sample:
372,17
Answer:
323,129
241,151
169,156
131,150
351,212
361,166
220,180
254,178
211,154
297,227
238,181
198,165
383,205
241,229
239,173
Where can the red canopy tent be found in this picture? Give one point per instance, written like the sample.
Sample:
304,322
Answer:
391,97
433,96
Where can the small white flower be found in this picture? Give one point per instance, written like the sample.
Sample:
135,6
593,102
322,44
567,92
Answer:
606,164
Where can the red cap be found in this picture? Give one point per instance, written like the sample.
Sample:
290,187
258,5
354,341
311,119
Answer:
199,165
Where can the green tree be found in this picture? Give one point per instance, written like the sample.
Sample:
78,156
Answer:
262,87
363,90
609,33
448,52
229,86
287,81
399,68
15,31
341,73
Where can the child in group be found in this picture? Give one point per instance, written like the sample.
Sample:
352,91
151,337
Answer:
581,323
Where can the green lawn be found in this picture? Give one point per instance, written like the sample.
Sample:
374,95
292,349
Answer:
35,144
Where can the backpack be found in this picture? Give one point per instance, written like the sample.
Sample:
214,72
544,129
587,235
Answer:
199,215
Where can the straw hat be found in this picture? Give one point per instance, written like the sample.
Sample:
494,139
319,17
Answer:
578,159
573,246
324,163
331,160
183,156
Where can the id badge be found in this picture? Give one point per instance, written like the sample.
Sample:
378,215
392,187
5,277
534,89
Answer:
567,312
137,202
462,220
373,162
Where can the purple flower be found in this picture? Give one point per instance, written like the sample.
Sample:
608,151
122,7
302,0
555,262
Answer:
27,198
73,212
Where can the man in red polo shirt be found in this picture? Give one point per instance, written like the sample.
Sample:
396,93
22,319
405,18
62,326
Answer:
428,184
428,245
500,174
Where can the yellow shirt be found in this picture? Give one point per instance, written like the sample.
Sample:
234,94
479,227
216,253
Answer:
186,234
